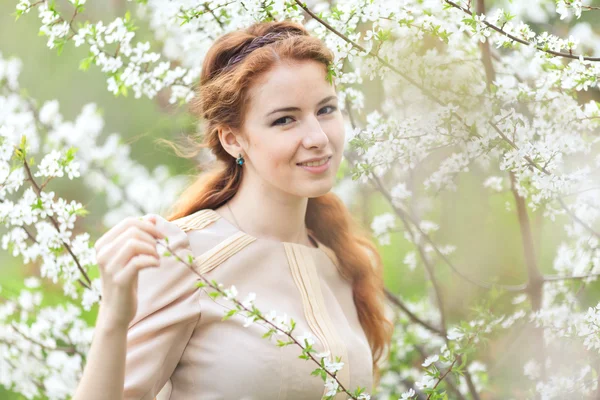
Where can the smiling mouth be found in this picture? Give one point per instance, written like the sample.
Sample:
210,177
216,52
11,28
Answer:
315,163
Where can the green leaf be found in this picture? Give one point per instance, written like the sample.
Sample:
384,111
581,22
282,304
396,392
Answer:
81,212
60,46
269,333
358,391
84,65
17,14
230,314
123,89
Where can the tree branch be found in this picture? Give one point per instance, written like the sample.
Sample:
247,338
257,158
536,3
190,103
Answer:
522,41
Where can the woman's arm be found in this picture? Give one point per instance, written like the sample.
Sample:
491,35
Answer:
104,372
125,250
133,358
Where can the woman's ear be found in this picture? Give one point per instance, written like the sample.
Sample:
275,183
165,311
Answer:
231,140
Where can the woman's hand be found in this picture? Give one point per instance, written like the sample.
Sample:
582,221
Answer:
122,251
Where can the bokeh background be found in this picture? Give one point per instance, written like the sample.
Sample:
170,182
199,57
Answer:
484,228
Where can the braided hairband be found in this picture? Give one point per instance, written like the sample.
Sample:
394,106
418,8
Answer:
257,42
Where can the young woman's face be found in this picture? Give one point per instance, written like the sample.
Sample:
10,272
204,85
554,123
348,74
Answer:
311,126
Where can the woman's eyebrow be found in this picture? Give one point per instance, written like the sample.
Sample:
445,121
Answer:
325,100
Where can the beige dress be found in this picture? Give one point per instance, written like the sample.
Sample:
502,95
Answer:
179,348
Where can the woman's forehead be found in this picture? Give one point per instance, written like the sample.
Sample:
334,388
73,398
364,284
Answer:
292,86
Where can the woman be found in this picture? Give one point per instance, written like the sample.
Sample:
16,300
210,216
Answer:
264,221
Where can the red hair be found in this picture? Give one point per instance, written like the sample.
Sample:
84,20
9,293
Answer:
222,95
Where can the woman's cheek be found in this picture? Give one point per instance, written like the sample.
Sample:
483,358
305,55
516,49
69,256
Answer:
277,159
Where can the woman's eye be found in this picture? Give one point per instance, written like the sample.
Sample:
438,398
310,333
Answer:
282,119
333,108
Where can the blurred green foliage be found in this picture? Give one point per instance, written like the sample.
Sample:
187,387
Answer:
486,234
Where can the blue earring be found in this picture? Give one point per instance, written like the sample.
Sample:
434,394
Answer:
240,160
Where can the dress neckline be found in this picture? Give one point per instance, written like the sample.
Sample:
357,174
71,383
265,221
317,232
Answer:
310,234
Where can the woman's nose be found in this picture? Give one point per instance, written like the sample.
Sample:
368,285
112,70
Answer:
315,135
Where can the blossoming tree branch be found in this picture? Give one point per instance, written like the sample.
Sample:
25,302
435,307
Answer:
439,96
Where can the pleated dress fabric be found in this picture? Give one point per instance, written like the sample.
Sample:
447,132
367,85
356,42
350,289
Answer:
178,347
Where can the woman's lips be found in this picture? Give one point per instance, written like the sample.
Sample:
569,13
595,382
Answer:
319,169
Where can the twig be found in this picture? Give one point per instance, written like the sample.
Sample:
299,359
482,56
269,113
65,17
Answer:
522,41
251,312
56,226
68,350
396,301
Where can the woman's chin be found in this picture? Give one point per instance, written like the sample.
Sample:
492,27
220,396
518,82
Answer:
318,189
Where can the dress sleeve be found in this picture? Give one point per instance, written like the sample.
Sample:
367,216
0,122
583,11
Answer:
168,310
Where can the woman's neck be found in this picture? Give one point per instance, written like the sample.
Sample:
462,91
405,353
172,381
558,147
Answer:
267,216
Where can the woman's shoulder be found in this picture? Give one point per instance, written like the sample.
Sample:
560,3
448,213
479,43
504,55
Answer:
209,240
192,234
197,220
203,229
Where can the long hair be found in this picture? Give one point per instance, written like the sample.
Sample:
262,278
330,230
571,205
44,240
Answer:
232,64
